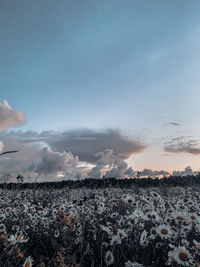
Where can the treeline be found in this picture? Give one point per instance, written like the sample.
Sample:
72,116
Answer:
109,182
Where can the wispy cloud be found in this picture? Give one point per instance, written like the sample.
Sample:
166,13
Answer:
171,123
152,173
183,144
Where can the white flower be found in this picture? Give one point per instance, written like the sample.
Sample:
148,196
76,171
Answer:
106,229
197,244
109,259
143,238
2,217
115,239
129,199
28,262
180,255
100,210
197,226
2,228
133,264
163,231
121,234
56,234
24,208
101,205
12,239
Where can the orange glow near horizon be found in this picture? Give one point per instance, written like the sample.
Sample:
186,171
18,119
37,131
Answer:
154,159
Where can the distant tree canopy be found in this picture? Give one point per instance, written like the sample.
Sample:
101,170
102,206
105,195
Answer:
111,182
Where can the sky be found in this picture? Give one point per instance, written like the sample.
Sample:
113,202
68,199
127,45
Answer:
117,78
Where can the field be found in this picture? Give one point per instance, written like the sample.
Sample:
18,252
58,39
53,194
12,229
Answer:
100,227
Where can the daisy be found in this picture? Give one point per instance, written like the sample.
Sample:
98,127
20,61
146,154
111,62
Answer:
155,195
167,220
153,233
40,205
8,210
181,256
109,259
24,208
12,239
115,239
129,199
34,219
101,199
185,242
143,237
121,234
2,217
54,212
197,227
2,228
158,245
133,264
100,210
191,203
181,207
15,227
152,215
180,217
141,225
21,238
139,214
193,217
78,240
101,205
43,212
28,262
197,244
56,234
33,209
163,231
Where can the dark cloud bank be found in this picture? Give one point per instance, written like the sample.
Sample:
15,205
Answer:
86,143
48,153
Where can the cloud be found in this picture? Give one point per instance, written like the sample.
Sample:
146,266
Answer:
9,117
85,143
183,145
187,171
50,152
171,123
105,158
115,163
37,157
34,158
52,163
1,146
120,168
152,173
21,161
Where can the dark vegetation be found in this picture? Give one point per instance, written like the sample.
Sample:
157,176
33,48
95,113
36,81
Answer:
188,180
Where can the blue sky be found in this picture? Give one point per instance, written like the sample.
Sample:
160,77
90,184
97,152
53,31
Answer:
126,65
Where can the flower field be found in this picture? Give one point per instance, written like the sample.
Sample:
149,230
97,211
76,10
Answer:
100,227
